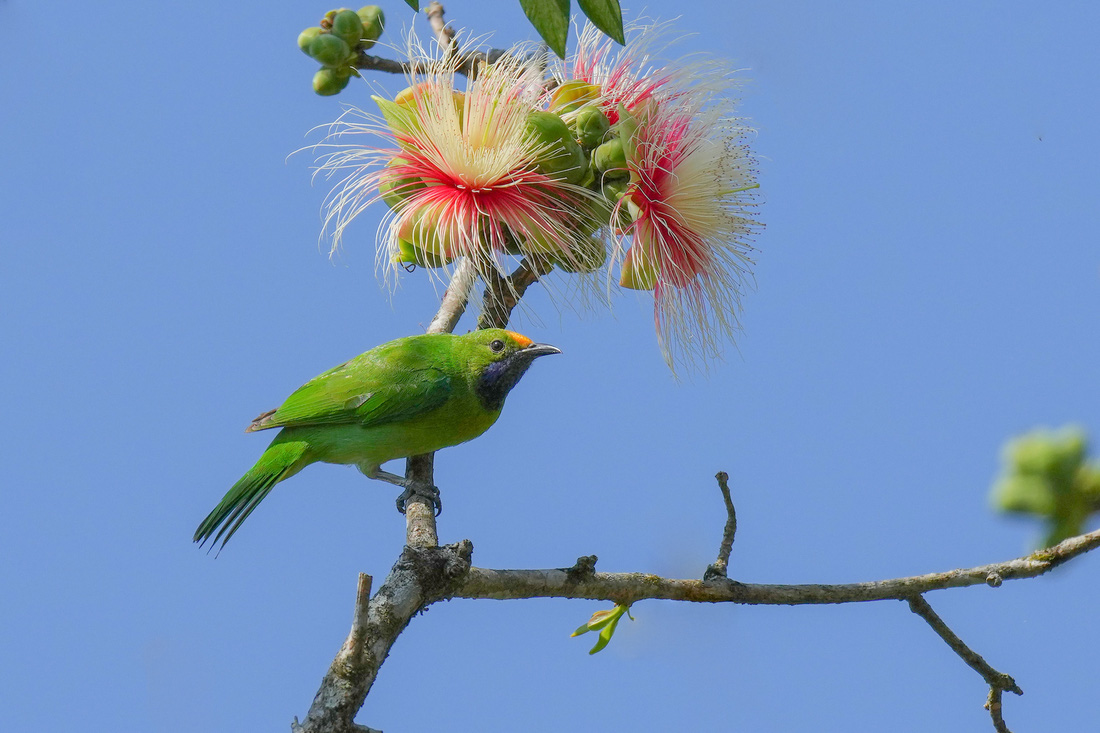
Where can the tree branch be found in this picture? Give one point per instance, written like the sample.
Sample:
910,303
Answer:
993,705
369,62
628,588
421,576
456,298
335,704
467,64
502,294
426,574
998,681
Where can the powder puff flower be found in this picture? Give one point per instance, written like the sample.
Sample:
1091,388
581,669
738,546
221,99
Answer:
686,215
462,171
624,76
690,225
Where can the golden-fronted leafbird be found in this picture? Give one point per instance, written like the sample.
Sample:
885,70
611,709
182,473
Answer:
409,396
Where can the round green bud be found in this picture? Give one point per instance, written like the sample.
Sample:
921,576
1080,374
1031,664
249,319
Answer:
559,154
571,95
328,81
394,191
639,270
610,159
305,38
374,21
591,175
330,50
614,189
347,26
591,126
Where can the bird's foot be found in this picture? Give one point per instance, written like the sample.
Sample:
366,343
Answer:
425,491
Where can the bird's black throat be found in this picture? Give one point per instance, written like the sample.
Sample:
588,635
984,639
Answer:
497,380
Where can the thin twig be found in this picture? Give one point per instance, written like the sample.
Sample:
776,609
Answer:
443,33
502,294
997,681
369,62
359,618
720,567
993,678
993,705
335,703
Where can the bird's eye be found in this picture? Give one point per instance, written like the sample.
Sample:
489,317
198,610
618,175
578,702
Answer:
497,345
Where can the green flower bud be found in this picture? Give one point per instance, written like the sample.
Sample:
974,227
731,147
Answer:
347,26
591,125
330,50
328,81
610,159
374,21
614,189
426,237
393,192
639,269
559,154
306,37
571,95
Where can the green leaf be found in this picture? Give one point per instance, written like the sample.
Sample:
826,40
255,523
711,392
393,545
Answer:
604,622
607,16
551,19
414,4
605,635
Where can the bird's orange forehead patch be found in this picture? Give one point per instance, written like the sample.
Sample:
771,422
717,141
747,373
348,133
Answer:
522,341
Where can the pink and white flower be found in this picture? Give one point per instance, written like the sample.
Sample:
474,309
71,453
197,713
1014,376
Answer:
458,168
690,196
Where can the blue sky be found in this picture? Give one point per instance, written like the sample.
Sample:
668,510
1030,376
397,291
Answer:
928,286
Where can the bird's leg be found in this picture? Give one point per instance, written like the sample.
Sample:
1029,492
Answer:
411,488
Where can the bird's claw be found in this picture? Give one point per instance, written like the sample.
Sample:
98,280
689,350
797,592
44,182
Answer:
424,491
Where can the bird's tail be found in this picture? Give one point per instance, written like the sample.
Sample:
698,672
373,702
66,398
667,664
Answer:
281,460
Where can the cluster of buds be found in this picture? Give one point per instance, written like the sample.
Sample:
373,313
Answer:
336,44
609,164
1047,474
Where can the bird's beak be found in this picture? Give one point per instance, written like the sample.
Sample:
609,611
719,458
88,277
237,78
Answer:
538,350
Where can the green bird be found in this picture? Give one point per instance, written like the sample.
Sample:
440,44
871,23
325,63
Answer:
406,397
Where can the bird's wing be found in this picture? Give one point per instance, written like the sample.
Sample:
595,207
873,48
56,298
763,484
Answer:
380,386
